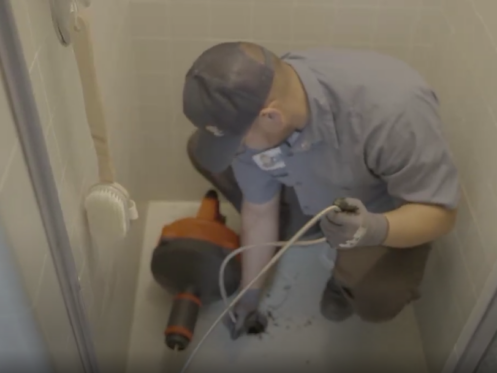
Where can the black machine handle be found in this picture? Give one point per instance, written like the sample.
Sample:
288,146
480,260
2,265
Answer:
182,320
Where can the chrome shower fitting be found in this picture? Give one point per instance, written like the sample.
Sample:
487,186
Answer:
63,12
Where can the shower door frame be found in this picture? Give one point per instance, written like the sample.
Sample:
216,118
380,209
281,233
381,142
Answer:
31,138
480,340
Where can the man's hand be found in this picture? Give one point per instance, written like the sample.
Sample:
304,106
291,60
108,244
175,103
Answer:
248,318
354,226
259,226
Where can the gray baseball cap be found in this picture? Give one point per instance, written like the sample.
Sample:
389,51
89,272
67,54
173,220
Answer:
224,92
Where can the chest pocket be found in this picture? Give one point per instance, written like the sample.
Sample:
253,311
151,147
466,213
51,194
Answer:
329,175
282,175
374,196
364,193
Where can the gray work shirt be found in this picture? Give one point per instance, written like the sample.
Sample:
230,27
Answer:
374,134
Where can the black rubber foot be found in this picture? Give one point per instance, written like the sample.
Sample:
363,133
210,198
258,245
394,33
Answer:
177,342
211,194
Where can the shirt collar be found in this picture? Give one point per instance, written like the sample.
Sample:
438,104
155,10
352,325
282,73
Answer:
321,123
290,142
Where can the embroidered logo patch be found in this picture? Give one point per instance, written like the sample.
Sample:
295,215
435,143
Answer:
269,160
215,131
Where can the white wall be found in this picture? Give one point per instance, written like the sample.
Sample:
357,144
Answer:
108,282
463,70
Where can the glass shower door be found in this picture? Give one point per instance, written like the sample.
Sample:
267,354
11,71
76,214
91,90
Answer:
488,363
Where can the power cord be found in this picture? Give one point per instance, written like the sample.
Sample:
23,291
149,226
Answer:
285,246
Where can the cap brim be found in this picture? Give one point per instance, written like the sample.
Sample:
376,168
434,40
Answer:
215,153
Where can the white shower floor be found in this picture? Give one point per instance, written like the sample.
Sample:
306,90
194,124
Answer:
298,337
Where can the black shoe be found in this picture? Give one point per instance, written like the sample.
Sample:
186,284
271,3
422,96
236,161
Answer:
334,305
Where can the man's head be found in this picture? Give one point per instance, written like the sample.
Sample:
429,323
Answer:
240,94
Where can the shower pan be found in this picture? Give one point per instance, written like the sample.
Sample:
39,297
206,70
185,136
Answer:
298,338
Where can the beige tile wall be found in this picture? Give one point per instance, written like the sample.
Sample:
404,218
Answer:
108,279
169,34
451,42
464,73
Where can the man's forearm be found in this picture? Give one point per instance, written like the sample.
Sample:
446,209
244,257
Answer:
416,224
259,226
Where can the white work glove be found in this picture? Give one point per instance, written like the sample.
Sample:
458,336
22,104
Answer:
353,226
248,318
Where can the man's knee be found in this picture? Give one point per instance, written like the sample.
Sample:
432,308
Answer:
190,152
379,314
224,182
388,286
378,308
190,149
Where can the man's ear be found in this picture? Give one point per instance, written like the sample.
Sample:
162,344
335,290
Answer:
271,119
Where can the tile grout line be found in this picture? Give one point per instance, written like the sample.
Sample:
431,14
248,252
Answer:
376,22
479,235
51,111
465,264
40,281
415,25
35,58
482,20
31,32
10,161
224,39
62,160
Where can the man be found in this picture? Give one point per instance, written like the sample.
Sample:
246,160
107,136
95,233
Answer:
284,138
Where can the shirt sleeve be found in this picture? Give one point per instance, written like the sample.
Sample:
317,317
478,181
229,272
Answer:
410,154
257,186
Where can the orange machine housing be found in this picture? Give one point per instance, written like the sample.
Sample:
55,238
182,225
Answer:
169,266
208,225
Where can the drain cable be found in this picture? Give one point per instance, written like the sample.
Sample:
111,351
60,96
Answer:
285,246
